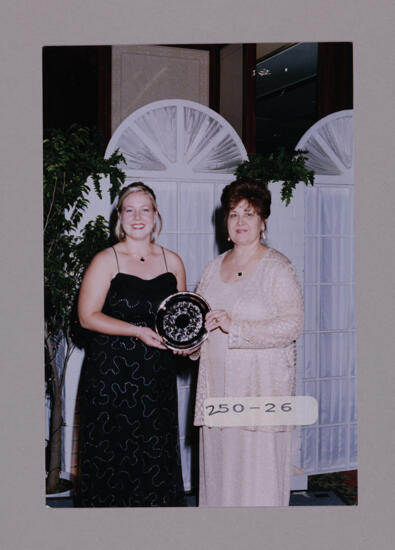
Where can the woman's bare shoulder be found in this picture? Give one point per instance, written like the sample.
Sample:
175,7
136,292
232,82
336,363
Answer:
104,255
172,258
105,259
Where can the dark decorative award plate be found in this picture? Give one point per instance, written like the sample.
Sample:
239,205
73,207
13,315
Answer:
180,320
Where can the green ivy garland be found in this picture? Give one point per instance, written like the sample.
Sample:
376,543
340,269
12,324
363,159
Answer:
287,168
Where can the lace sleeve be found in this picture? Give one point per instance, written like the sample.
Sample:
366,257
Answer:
281,330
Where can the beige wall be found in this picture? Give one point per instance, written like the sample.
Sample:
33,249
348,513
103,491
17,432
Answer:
142,74
231,86
264,49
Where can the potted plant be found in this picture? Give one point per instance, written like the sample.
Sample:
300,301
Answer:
71,159
289,168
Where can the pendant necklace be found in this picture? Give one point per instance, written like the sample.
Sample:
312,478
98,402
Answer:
141,258
241,273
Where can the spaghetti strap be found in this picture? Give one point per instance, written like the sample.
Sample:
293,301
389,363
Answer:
164,257
116,257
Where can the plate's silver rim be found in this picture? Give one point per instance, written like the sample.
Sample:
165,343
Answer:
204,337
188,293
162,306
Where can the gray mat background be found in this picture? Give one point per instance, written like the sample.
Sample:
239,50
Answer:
26,523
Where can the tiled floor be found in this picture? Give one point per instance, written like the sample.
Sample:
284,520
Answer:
298,498
315,498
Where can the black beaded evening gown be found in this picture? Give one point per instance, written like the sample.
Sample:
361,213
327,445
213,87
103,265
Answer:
129,446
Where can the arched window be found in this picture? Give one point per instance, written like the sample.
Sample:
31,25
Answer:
329,335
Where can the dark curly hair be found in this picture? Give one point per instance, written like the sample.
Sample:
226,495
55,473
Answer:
258,195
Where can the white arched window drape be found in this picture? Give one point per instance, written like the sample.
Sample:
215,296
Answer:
329,336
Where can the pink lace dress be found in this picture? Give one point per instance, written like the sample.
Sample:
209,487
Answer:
249,466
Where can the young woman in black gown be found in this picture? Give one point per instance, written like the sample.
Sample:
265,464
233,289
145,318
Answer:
128,447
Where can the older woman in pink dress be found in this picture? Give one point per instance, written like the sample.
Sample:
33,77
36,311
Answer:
257,314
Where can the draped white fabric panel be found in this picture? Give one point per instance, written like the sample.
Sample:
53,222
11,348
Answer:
329,336
285,232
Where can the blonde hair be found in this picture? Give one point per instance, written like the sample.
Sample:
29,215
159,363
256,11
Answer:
125,192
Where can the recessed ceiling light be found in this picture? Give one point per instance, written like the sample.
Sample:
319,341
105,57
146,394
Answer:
264,72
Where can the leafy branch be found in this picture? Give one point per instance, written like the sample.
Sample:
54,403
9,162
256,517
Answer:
71,159
284,167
